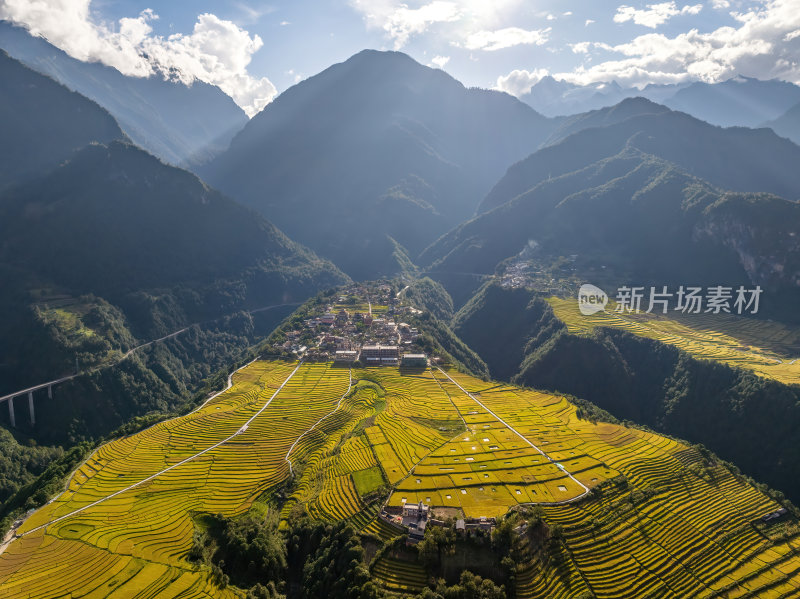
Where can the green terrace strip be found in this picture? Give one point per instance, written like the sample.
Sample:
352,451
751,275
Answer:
622,512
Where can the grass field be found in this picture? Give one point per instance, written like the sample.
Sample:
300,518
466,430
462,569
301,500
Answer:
368,480
770,349
664,522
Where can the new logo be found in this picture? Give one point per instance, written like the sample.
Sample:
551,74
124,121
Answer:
591,299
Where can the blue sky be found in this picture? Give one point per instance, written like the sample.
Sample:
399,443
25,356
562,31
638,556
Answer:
255,49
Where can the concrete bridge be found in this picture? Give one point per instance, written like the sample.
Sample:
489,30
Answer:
9,399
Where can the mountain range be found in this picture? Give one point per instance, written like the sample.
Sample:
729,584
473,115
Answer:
373,152
181,124
641,216
738,101
104,247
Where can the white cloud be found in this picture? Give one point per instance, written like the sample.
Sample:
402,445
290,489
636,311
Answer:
588,22
763,45
520,81
439,61
720,4
505,38
581,47
453,20
655,14
217,51
568,13
401,22
551,17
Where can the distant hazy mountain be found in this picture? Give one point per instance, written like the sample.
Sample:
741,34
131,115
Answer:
179,124
736,158
553,97
374,152
738,101
644,218
788,124
34,108
741,101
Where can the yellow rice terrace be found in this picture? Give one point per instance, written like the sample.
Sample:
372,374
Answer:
767,348
431,468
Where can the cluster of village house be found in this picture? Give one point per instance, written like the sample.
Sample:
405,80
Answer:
379,341
416,517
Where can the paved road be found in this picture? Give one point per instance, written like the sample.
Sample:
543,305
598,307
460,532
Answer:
184,461
274,306
521,436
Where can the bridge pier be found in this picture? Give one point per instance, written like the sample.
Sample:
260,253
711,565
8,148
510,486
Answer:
30,408
49,391
11,412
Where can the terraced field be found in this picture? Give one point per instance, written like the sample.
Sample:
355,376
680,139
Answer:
769,349
138,539
640,515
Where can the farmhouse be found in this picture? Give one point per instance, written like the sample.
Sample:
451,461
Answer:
415,510
415,518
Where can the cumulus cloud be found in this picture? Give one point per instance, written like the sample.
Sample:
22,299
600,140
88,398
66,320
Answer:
506,38
401,22
439,61
216,52
655,14
581,47
765,44
519,82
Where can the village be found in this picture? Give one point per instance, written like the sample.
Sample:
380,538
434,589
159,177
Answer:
360,326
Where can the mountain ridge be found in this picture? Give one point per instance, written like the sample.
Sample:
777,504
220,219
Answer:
396,149
735,158
183,125
33,106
